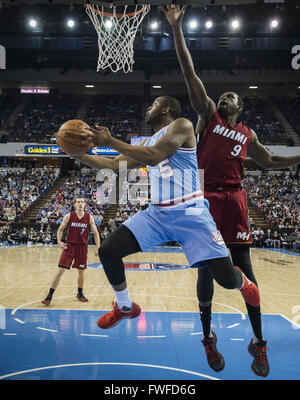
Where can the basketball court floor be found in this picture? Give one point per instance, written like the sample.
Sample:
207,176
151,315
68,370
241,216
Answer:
63,342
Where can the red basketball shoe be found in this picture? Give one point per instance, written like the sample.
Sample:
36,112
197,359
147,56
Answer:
82,298
214,357
260,365
249,291
47,301
114,317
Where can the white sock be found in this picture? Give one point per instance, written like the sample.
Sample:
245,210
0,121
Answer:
123,299
255,340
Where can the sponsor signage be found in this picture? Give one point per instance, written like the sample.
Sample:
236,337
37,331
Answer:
42,149
103,151
34,91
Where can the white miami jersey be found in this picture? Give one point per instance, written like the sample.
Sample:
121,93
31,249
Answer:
176,179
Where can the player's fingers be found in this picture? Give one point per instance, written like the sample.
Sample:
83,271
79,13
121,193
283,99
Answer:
101,128
186,5
91,130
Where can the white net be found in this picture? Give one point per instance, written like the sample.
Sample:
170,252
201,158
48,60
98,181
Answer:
116,34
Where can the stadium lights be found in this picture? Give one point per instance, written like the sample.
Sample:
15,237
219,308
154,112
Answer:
154,25
274,23
70,23
235,24
208,24
193,24
32,23
108,24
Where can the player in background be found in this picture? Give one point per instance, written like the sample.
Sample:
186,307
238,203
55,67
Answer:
177,211
74,251
221,152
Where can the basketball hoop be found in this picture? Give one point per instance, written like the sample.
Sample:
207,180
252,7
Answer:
116,34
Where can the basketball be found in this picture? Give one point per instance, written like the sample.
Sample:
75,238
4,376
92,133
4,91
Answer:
69,137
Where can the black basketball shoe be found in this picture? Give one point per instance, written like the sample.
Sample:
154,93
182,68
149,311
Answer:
260,365
214,358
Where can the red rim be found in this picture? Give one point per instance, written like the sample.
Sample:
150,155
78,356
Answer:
107,14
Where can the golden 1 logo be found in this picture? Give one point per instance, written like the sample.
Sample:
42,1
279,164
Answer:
2,57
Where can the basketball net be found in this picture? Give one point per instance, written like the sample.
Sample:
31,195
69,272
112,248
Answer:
116,34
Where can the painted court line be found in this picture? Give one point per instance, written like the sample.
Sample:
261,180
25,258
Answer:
145,337
110,363
88,334
45,329
19,320
232,326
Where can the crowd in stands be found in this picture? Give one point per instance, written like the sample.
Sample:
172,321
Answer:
290,107
258,115
42,234
20,188
123,115
7,106
277,239
42,116
277,199
61,202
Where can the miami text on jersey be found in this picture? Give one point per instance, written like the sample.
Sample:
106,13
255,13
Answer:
230,133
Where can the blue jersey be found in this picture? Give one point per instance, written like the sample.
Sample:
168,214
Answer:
175,179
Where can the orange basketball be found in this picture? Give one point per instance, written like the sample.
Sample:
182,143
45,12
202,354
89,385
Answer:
69,137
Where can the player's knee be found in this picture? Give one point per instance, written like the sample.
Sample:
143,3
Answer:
106,251
223,272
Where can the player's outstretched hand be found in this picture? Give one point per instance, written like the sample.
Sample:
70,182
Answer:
99,136
174,13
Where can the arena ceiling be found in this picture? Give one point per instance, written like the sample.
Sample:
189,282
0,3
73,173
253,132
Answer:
255,16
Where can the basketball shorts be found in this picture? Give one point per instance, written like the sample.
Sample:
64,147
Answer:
230,212
74,256
189,223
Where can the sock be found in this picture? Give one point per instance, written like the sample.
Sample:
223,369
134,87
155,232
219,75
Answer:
205,315
123,299
255,319
80,291
51,291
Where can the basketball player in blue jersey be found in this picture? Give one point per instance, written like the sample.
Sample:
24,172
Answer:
178,211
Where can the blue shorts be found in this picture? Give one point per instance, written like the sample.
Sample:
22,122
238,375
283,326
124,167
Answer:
190,224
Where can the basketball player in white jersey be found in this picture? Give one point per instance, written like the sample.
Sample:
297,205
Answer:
178,210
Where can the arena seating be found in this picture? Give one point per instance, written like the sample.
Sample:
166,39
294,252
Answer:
277,199
290,107
20,188
123,115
